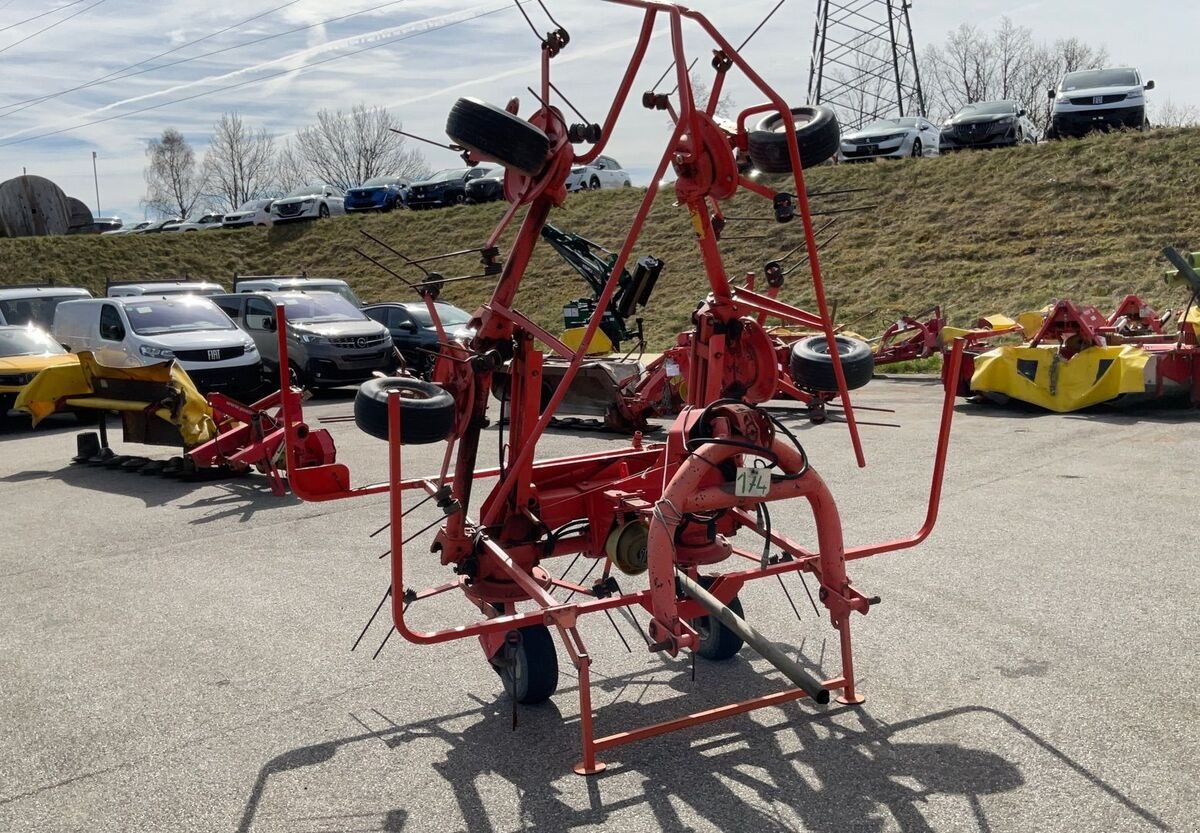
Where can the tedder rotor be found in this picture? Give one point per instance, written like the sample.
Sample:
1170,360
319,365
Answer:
667,510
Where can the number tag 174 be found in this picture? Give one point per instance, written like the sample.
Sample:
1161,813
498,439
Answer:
752,482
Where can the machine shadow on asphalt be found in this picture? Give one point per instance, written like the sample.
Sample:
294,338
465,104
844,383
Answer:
836,770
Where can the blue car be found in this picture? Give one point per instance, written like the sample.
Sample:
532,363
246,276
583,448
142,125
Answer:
383,193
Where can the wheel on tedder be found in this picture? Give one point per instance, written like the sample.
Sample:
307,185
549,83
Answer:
812,364
497,134
426,409
817,134
528,665
717,642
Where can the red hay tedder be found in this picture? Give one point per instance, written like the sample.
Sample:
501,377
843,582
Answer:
668,509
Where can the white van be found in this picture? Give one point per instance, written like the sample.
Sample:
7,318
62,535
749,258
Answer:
1098,99
135,331
123,289
294,283
35,303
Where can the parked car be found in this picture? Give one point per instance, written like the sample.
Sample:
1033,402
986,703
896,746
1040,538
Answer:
294,283
309,202
25,351
330,341
129,229
486,188
448,187
383,193
1098,99
136,331
605,172
250,213
413,332
988,124
35,303
890,139
156,226
205,221
123,289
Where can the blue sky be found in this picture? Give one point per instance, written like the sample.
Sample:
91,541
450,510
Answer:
426,53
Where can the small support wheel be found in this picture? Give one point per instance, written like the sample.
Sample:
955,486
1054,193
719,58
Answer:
528,665
717,643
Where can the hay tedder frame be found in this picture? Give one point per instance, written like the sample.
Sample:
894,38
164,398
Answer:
667,509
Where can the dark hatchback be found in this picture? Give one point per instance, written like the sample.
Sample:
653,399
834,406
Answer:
487,188
987,124
448,187
413,332
383,193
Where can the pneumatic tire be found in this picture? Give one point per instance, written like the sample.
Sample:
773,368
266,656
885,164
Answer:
812,365
529,666
717,643
817,134
498,134
426,410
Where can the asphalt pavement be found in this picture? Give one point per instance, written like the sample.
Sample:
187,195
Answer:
176,656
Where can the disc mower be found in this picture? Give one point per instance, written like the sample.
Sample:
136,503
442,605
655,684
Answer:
1072,356
660,516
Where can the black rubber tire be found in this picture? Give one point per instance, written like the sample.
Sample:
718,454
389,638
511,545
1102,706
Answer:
628,184
323,211
916,148
818,136
426,410
532,677
812,366
717,643
594,184
498,134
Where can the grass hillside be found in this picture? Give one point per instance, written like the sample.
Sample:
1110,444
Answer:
977,232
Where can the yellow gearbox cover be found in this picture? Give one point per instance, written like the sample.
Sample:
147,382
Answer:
86,385
1040,376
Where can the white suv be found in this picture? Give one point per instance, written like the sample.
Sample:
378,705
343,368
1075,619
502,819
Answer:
605,172
1098,99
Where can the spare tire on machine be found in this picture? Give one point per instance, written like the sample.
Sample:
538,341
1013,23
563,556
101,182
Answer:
817,134
812,365
494,132
426,410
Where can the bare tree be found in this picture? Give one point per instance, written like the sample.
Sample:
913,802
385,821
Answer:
173,184
344,149
290,169
1170,114
239,164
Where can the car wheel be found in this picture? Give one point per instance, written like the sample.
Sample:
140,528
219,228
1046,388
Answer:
499,135
426,410
594,184
812,365
817,134
628,184
324,212
916,149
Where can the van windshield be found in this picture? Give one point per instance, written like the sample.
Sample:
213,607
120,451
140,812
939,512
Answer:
155,316
38,310
320,306
27,341
1092,78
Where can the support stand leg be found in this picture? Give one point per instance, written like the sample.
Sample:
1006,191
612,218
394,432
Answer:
589,765
849,696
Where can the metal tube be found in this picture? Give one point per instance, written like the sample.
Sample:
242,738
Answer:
765,647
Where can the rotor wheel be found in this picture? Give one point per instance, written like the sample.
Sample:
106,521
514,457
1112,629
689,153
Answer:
528,665
494,133
716,642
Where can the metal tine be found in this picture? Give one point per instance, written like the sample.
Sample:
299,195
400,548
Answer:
454,148
371,621
391,631
532,28
400,255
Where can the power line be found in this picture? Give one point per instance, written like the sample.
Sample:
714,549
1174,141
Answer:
279,74
18,106
52,25
36,16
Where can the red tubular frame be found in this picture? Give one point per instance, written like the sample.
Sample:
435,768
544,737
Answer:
622,486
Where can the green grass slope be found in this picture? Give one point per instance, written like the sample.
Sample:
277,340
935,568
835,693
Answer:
981,232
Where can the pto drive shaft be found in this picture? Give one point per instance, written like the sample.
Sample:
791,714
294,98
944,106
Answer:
765,648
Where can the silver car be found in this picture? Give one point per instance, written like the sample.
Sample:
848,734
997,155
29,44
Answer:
890,139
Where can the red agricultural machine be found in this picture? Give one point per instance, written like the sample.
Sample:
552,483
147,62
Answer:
666,510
